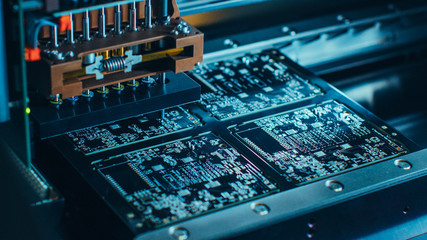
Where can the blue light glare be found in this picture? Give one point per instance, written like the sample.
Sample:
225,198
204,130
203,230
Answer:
327,48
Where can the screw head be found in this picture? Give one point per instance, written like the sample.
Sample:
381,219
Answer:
179,233
260,208
403,164
334,185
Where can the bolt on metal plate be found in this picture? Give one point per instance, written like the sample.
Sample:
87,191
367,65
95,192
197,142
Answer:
334,185
403,164
179,233
260,208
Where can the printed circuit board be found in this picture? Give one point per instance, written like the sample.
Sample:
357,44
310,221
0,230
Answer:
184,178
249,84
132,130
316,141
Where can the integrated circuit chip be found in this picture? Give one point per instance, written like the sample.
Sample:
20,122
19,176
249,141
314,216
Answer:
316,141
250,84
184,178
132,130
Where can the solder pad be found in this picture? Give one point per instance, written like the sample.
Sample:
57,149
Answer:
184,178
132,130
316,141
250,84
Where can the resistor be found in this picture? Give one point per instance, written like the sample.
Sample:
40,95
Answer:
133,17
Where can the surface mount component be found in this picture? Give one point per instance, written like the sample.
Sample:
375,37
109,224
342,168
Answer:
183,179
252,83
132,130
316,141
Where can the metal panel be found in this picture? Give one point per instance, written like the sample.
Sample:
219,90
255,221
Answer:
4,95
16,132
291,202
190,7
301,200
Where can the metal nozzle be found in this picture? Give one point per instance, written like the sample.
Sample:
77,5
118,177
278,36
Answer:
148,14
101,23
54,36
70,32
163,16
86,26
132,17
118,20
